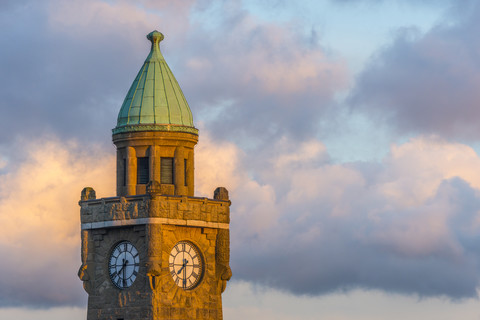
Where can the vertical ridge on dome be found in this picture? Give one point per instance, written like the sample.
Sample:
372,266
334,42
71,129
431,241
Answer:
155,101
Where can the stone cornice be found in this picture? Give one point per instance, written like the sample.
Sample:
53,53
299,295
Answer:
154,127
160,209
140,221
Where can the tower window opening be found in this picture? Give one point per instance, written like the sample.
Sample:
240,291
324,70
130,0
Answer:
143,173
185,171
166,171
124,177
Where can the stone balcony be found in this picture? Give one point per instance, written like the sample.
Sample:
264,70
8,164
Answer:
154,208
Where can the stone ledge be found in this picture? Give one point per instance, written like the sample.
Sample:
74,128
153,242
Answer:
142,221
160,197
106,212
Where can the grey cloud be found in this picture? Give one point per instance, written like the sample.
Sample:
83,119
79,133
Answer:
248,72
335,228
319,228
339,258
426,83
415,2
72,84
29,283
71,80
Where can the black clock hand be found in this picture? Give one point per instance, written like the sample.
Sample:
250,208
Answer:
183,265
124,265
185,275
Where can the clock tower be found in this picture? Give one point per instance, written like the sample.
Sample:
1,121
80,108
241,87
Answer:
155,251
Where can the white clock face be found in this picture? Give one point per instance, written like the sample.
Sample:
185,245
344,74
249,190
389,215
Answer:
186,265
123,264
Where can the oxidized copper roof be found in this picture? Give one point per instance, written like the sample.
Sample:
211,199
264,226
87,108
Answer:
155,101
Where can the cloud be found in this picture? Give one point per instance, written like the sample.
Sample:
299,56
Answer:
300,223
68,66
261,78
67,79
426,83
3,163
415,2
40,221
407,225
267,78
243,300
58,313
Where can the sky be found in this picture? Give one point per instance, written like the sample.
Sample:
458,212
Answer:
346,131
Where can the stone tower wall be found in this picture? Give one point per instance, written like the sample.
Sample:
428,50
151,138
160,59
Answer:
154,224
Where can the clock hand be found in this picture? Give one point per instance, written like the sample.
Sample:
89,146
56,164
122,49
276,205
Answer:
122,269
185,275
124,265
185,261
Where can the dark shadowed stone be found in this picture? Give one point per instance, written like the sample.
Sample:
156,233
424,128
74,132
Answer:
88,194
220,193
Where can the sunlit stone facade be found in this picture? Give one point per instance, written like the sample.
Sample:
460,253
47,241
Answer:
155,251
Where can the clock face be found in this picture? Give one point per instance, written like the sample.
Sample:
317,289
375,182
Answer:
186,265
123,264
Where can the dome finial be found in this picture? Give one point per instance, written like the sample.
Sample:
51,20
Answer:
155,37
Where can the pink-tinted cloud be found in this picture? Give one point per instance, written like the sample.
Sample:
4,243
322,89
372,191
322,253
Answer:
40,221
408,226
119,21
299,222
328,226
220,164
263,78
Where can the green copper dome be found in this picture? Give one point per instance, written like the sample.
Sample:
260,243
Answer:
155,101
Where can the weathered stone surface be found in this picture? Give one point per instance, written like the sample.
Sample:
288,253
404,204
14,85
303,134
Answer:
88,194
155,145
172,207
220,193
154,295
154,210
